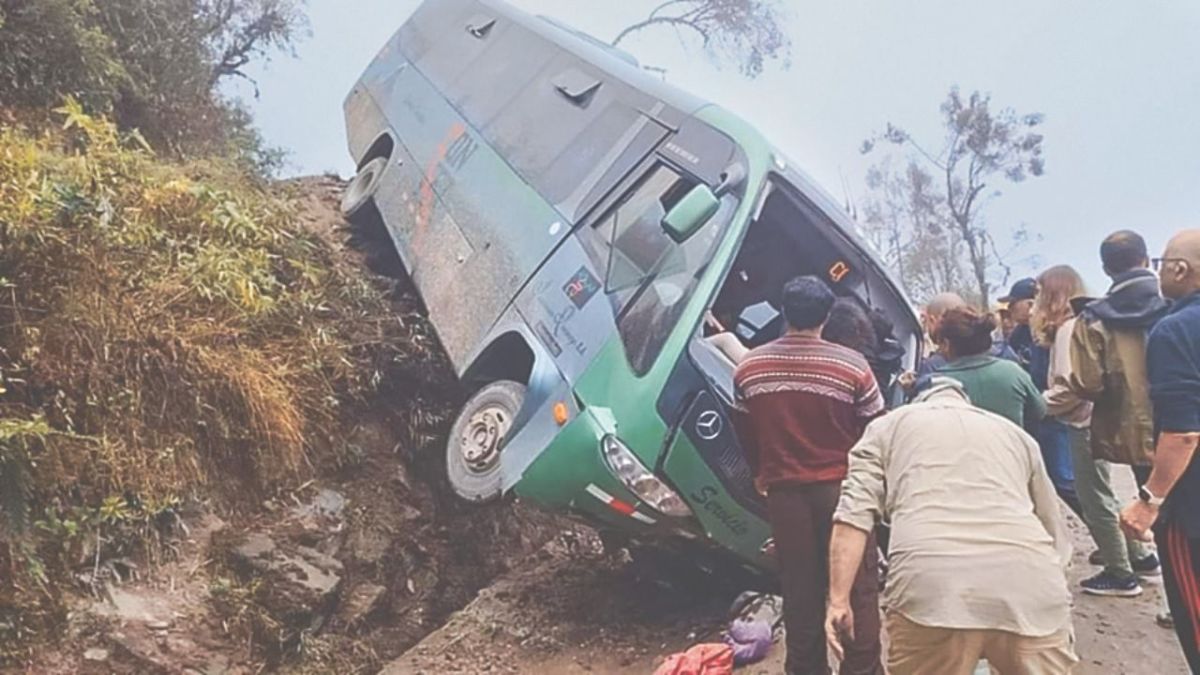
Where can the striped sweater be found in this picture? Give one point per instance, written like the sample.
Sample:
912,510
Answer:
802,404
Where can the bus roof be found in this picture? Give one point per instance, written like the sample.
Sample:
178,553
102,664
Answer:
613,61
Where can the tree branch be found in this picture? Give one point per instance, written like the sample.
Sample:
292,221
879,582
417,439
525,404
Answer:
668,3
665,20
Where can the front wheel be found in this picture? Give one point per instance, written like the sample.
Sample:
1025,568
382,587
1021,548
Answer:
477,439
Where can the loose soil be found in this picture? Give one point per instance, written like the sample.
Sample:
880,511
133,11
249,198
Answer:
586,614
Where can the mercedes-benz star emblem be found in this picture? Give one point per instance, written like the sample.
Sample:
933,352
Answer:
708,425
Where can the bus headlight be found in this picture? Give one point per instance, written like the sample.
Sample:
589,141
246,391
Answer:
640,480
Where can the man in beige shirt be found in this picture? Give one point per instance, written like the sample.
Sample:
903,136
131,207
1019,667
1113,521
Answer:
978,548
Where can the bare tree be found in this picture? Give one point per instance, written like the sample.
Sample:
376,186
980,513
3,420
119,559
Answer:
239,31
907,221
746,33
980,148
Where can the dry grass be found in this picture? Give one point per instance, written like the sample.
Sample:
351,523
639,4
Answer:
168,331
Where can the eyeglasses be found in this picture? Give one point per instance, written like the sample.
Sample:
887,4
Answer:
1159,263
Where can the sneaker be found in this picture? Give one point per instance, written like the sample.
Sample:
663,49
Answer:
1095,559
1147,567
1165,620
1106,584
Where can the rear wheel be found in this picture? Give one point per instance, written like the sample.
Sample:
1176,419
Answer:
367,230
358,201
477,439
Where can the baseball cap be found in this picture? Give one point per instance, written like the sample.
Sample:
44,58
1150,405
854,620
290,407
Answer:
1025,289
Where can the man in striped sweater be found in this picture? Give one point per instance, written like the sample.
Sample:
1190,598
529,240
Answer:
804,403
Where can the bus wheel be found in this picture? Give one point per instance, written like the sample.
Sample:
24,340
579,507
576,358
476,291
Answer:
477,438
359,197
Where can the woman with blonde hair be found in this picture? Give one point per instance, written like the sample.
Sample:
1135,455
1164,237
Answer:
1053,322
1050,309
1057,287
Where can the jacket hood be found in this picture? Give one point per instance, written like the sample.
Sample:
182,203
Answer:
1134,301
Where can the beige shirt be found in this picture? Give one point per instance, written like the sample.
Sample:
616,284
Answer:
1061,402
977,540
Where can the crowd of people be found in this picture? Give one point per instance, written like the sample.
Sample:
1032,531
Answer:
1013,412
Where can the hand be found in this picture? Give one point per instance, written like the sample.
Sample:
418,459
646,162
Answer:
839,627
711,321
907,380
1137,518
760,486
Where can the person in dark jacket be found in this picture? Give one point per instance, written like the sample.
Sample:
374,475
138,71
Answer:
1053,437
849,325
1019,303
1169,500
1108,353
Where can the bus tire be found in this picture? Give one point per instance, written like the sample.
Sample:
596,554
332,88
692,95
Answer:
358,200
477,439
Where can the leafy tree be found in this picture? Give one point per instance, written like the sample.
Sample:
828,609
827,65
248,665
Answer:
746,33
154,65
980,148
36,71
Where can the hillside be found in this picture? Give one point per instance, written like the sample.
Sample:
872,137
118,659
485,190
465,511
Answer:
193,359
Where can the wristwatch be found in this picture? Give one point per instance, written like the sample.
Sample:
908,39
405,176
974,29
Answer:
1148,497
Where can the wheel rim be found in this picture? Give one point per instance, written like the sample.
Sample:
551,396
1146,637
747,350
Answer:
360,187
481,439
360,184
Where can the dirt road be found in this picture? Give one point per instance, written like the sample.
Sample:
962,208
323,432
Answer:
580,612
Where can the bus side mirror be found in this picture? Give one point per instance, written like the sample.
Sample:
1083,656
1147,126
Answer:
691,213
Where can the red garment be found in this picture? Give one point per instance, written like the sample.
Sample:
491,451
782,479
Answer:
706,659
804,403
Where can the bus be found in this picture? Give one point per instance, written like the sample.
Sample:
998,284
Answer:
577,228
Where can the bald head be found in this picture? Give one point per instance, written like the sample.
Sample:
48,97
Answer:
937,308
944,302
1180,275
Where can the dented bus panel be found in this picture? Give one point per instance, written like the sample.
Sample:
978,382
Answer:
569,222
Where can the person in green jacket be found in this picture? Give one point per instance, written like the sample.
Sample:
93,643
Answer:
996,385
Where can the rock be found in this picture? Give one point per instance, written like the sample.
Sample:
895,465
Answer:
132,606
329,503
361,603
96,654
301,583
255,547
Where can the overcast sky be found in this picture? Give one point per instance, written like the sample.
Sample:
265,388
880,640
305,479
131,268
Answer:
1119,84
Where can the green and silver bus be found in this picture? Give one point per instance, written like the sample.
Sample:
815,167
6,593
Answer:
570,222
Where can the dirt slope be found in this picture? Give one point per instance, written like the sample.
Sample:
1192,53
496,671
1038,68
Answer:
340,575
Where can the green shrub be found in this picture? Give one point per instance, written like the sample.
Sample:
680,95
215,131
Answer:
152,65
166,331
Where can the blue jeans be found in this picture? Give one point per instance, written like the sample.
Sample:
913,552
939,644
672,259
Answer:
1054,438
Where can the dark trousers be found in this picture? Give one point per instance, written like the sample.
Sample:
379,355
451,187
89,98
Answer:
1181,578
802,521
